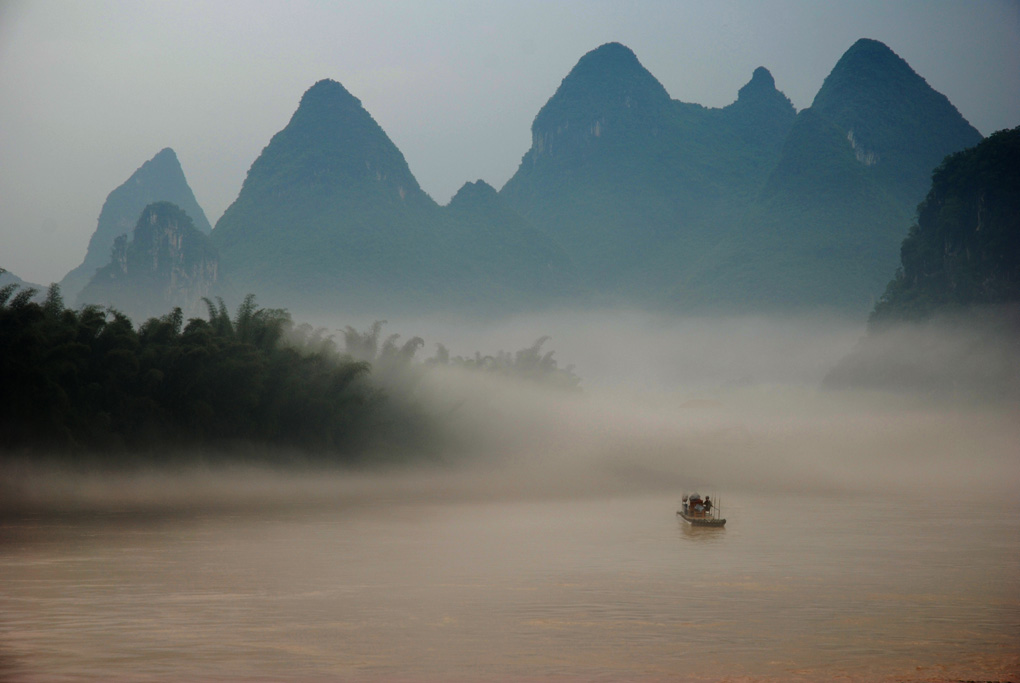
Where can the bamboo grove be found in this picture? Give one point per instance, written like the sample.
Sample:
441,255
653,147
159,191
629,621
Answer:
87,381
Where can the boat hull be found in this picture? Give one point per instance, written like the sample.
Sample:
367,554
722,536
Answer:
700,521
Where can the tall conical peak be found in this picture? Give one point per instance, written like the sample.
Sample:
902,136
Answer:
886,110
327,92
330,141
325,102
166,262
159,178
165,155
606,93
870,49
610,75
608,53
867,65
164,163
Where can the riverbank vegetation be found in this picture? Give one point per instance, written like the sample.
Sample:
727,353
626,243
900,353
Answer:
76,383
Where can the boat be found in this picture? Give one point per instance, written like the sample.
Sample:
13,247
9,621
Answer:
698,511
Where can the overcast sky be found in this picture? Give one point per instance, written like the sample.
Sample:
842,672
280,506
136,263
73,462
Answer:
91,90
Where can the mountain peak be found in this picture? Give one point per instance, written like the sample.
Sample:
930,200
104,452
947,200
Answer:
331,142
761,82
165,155
166,262
161,178
326,103
871,48
607,95
611,74
327,92
868,65
610,52
889,114
474,194
761,109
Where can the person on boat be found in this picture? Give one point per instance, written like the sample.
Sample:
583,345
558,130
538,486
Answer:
708,503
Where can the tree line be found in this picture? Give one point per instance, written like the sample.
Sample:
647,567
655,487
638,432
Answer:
89,381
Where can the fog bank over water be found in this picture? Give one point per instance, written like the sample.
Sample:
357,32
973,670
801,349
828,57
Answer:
729,405
638,350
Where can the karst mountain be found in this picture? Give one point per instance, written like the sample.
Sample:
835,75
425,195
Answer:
625,197
161,178
330,216
163,263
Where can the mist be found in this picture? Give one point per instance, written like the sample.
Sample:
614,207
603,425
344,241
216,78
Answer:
728,404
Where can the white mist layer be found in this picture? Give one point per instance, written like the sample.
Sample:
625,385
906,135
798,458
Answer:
731,405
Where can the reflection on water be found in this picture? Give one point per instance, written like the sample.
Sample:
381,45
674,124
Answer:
610,588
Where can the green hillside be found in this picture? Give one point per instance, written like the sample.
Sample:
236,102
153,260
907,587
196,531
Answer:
949,322
964,250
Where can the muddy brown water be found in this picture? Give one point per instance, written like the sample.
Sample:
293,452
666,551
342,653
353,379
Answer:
607,587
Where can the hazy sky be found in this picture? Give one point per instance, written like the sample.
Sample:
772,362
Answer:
91,90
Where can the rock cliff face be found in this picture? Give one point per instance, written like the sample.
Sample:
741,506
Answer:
167,263
159,179
949,320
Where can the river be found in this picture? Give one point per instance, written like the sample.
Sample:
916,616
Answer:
609,586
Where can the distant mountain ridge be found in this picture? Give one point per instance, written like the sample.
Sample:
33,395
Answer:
850,175
161,178
625,197
331,216
746,207
619,173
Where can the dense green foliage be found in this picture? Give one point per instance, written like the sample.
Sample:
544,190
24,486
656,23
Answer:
87,380
964,250
251,385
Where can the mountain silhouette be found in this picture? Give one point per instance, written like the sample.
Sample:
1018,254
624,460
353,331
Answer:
330,215
161,178
329,209
167,262
625,197
826,228
670,204
633,185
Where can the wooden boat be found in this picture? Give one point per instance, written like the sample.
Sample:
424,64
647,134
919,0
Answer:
698,511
